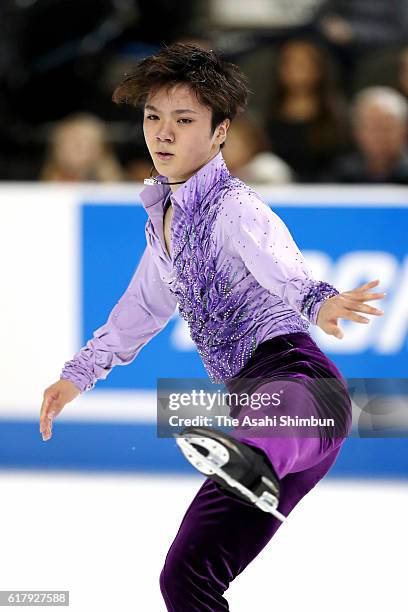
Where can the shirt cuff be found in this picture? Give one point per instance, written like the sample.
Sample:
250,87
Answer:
314,298
72,371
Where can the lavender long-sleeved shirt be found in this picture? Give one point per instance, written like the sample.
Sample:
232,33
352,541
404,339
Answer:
236,275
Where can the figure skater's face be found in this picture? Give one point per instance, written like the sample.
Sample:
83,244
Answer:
176,122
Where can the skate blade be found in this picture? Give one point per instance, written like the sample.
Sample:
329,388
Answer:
218,456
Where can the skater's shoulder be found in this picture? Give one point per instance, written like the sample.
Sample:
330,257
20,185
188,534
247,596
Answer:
240,198
240,203
243,210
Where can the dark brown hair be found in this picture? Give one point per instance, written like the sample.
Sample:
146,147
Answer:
217,83
329,130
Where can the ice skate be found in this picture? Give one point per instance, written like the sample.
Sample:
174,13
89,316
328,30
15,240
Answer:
236,466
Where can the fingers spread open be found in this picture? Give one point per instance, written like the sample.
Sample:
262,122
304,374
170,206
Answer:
335,330
367,285
360,307
362,297
349,314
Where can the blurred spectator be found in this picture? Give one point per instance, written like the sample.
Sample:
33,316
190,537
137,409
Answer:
247,154
380,125
364,23
138,168
79,150
354,28
307,123
403,72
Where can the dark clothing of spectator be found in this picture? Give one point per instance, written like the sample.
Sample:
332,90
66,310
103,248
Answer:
308,147
353,168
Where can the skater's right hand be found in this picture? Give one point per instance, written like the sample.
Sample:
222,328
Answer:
55,398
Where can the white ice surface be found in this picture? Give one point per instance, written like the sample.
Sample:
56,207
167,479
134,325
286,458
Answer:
104,538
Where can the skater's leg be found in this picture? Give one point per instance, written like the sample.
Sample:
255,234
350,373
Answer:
297,448
219,536
231,461
292,368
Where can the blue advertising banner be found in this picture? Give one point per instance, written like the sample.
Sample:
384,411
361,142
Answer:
349,246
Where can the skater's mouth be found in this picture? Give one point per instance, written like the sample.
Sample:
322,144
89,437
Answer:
164,155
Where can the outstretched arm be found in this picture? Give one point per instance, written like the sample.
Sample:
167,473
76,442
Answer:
269,252
143,310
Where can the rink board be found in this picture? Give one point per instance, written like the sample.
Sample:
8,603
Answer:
71,251
134,447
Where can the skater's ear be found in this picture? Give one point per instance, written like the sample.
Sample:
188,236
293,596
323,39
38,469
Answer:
221,131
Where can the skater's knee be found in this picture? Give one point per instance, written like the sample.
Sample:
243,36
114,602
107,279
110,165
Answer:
173,585
173,576
186,579
177,592
163,585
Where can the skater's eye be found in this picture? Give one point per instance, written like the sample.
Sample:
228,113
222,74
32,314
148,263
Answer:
153,117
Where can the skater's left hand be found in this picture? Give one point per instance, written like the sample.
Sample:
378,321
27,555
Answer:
345,305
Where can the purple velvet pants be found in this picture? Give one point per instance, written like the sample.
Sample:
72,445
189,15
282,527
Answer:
220,533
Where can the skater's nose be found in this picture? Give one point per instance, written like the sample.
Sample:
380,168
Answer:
164,133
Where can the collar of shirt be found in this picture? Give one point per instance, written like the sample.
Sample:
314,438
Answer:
192,191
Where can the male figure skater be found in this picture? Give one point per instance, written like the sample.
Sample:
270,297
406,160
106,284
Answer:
216,250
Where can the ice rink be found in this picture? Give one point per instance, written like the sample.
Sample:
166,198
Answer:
104,538
95,510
